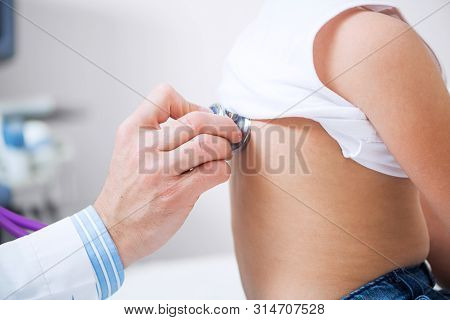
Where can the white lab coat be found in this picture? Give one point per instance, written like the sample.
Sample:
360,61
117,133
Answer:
53,263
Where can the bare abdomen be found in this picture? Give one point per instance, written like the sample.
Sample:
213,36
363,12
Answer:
309,223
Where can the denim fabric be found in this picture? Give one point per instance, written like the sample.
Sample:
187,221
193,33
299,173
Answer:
413,283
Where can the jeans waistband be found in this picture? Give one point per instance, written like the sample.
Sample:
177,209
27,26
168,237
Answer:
403,283
417,280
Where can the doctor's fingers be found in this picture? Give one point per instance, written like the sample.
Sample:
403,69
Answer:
162,103
193,124
204,177
197,151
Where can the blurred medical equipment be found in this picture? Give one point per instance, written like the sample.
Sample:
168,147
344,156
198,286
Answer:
30,162
242,122
6,29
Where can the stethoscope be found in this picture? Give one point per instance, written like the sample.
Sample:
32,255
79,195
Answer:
242,123
18,225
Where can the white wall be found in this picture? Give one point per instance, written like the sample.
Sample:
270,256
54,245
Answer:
142,42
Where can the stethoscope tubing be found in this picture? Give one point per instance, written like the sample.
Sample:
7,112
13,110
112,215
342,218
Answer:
16,225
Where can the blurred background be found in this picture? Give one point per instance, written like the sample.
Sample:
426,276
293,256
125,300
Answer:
65,110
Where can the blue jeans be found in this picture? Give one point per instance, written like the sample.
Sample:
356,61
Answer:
413,283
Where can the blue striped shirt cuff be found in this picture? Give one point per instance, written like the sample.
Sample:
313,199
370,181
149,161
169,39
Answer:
101,250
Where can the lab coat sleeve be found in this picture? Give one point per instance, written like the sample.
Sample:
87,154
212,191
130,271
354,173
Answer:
74,258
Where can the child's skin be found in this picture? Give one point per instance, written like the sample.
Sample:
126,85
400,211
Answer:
323,234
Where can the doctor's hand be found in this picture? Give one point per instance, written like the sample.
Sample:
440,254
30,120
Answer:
157,173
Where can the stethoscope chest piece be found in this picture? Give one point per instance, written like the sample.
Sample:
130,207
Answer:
242,122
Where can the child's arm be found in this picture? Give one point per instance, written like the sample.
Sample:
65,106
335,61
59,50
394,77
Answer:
439,256
392,77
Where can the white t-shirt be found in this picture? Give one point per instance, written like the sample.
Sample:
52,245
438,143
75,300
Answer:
270,74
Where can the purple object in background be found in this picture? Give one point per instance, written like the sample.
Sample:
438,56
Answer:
14,223
21,220
11,227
